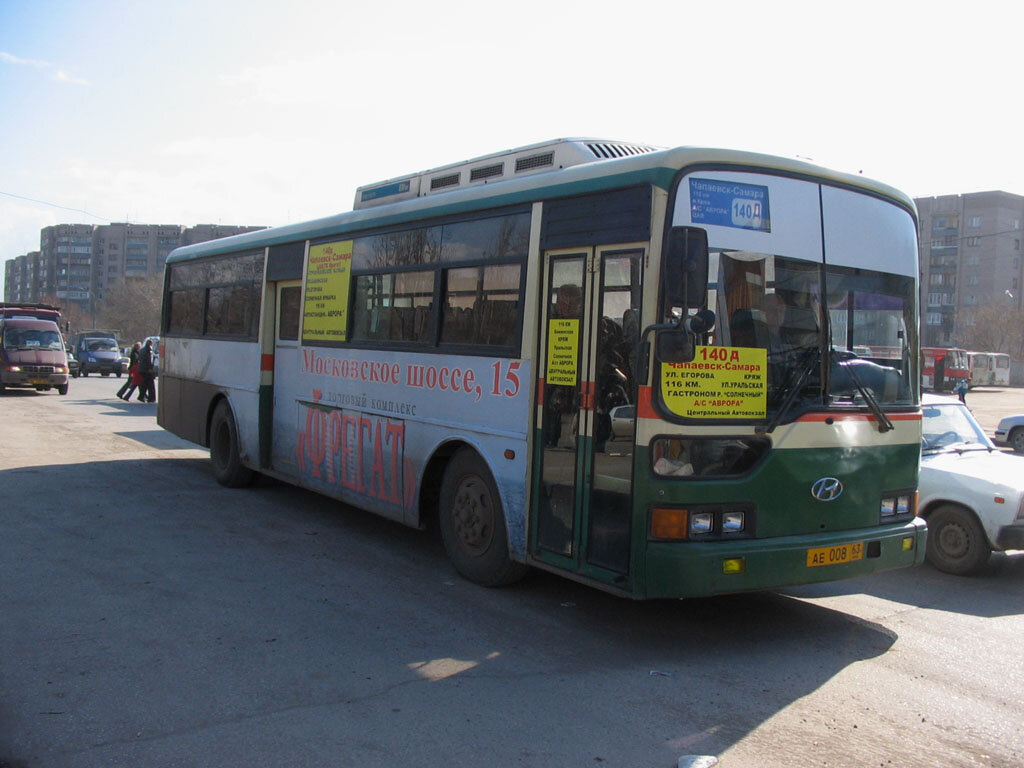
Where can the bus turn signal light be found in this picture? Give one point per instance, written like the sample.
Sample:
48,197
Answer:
668,523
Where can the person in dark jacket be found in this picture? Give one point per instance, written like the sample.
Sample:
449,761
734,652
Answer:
126,390
147,389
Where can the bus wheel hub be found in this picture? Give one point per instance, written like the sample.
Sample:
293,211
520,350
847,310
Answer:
472,515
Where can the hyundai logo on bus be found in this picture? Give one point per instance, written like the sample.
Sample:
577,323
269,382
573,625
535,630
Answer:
827,489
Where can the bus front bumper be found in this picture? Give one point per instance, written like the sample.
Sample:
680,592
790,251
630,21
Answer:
687,569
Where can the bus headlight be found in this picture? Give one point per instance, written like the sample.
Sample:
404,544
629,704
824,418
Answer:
702,522
732,522
897,505
706,522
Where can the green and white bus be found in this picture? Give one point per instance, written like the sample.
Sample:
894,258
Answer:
664,373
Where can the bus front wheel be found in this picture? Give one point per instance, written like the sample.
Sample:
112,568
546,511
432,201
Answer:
473,525
224,454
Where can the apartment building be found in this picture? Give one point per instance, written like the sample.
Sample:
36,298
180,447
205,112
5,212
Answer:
81,263
21,277
970,257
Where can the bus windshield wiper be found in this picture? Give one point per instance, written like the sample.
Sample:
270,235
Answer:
884,425
813,358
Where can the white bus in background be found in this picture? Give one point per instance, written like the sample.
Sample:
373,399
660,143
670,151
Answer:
1000,369
989,369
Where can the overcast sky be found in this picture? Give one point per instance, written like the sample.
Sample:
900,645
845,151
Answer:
222,111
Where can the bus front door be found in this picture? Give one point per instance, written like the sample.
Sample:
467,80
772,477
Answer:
586,407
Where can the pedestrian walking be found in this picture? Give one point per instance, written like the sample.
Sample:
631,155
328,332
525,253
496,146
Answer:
147,386
130,384
961,389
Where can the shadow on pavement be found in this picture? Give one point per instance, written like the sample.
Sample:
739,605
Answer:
184,618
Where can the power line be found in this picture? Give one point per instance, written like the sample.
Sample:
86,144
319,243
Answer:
55,205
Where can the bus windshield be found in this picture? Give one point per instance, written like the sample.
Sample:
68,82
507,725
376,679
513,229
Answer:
775,303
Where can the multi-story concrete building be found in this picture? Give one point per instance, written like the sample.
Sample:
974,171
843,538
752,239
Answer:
66,261
21,277
970,257
80,263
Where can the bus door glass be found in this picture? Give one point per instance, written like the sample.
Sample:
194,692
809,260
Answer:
586,411
286,372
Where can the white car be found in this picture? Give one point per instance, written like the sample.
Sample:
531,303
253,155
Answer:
972,494
1011,432
623,421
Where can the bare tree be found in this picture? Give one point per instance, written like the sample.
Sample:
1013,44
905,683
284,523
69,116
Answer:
993,328
72,317
133,308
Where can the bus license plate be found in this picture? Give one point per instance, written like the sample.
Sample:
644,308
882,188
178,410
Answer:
842,553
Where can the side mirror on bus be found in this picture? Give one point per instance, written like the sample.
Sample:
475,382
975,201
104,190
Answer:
674,346
684,269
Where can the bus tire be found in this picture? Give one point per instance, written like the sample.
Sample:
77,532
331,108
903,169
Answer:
472,523
956,541
224,454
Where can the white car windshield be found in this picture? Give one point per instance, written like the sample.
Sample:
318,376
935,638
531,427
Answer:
951,426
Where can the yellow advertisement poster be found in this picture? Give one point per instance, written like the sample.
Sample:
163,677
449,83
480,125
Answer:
720,383
325,314
563,352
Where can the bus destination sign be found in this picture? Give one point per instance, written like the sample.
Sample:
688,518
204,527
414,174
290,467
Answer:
730,204
720,383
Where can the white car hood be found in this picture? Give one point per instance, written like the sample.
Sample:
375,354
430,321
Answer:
972,469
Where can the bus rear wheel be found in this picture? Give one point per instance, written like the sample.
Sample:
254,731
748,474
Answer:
473,524
224,453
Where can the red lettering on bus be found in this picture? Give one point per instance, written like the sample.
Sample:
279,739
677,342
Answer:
377,470
349,467
336,432
395,433
365,425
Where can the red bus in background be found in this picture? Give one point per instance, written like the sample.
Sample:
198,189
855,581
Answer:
943,368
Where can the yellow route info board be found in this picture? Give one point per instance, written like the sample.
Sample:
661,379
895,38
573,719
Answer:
720,383
325,313
563,352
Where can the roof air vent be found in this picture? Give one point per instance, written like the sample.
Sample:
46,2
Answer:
486,172
535,161
608,150
440,182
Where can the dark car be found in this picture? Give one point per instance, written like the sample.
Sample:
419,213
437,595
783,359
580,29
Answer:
73,367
